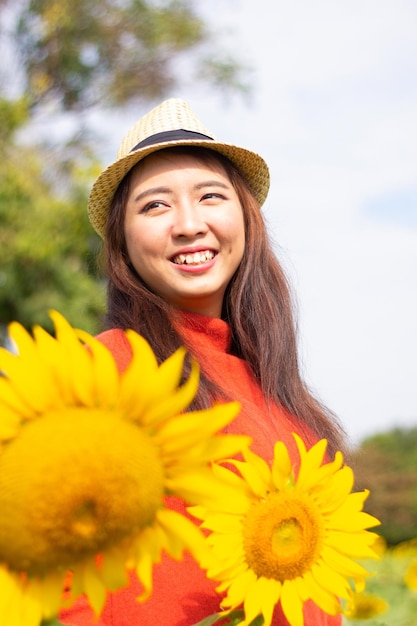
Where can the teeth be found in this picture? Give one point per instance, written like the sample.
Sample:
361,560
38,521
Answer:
194,259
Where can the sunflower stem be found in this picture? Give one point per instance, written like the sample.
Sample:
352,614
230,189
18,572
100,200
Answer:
234,619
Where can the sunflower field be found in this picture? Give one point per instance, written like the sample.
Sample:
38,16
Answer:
387,464
390,597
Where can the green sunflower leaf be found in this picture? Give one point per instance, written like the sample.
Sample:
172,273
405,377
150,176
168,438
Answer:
234,619
210,620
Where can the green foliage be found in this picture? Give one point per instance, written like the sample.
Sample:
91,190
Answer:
67,56
82,52
386,464
47,244
13,114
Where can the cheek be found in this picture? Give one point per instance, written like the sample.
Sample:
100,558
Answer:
236,229
141,241
136,247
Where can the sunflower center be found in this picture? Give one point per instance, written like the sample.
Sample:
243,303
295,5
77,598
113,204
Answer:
282,535
72,484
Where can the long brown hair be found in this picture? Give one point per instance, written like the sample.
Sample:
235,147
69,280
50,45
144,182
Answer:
257,304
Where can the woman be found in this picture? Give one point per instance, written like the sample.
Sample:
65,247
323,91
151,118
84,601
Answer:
189,262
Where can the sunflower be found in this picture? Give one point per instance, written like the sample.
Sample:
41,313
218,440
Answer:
87,456
363,606
287,539
410,577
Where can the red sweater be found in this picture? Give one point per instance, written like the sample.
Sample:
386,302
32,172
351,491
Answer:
182,596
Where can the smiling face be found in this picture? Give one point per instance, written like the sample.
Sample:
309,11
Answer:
184,230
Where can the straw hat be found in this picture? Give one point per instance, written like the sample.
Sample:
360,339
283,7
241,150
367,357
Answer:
172,123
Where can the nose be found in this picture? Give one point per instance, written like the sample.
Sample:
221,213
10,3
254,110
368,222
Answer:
189,220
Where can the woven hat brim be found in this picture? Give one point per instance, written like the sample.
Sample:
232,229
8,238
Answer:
250,164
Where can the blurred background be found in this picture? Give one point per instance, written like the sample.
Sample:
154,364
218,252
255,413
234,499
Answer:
326,91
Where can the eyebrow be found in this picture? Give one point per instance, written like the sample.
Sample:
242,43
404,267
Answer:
212,183
155,190
150,192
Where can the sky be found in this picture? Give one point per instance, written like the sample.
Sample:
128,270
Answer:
333,111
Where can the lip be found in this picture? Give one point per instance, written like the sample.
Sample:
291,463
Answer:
192,250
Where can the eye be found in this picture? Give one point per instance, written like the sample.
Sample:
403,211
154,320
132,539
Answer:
212,195
154,205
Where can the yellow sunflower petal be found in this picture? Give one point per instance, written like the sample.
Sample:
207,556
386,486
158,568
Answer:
44,595
202,486
19,372
78,359
261,466
190,536
353,522
9,423
220,522
54,356
282,473
106,380
169,372
342,563
356,545
349,515
222,447
113,569
270,591
31,610
229,478
140,380
189,429
9,586
144,570
252,477
11,599
94,588
10,398
330,579
147,552
311,460
322,476
291,604
239,588
229,571
74,586
324,599
176,403
337,488
253,604
302,450
227,542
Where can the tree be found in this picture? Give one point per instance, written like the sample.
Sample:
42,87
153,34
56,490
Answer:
386,464
80,53
46,242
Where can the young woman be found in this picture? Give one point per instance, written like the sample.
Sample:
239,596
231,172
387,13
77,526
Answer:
189,262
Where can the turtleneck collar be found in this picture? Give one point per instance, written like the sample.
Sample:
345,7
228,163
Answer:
201,329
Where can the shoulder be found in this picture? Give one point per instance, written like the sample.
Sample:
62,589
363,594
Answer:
116,341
